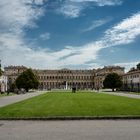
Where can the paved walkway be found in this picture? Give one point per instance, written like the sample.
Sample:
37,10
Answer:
122,94
6,100
70,130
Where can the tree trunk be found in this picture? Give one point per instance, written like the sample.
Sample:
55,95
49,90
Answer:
27,89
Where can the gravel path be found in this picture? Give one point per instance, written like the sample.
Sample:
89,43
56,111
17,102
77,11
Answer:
123,94
70,130
6,100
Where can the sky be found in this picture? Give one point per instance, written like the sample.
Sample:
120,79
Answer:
75,34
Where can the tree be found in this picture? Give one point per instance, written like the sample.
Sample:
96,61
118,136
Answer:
27,80
138,66
112,81
12,87
132,69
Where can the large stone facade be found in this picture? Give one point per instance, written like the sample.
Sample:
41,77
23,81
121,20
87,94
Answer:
102,73
12,72
66,78
131,81
3,83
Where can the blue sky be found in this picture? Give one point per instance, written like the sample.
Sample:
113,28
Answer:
76,34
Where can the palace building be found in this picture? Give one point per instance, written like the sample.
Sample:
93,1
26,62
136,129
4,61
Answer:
12,72
102,73
3,83
131,81
66,78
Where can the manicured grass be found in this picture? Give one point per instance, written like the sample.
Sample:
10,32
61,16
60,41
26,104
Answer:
67,104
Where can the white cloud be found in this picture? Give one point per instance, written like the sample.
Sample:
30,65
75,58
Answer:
125,32
128,65
83,54
36,2
101,2
18,14
15,50
69,9
45,36
40,2
96,24
73,8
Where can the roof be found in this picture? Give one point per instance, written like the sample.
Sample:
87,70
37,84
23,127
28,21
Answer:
15,67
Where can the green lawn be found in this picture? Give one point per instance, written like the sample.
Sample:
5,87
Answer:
68,104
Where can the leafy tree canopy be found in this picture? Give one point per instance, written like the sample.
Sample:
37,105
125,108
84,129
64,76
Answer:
112,81
132,69
27,80
138,66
